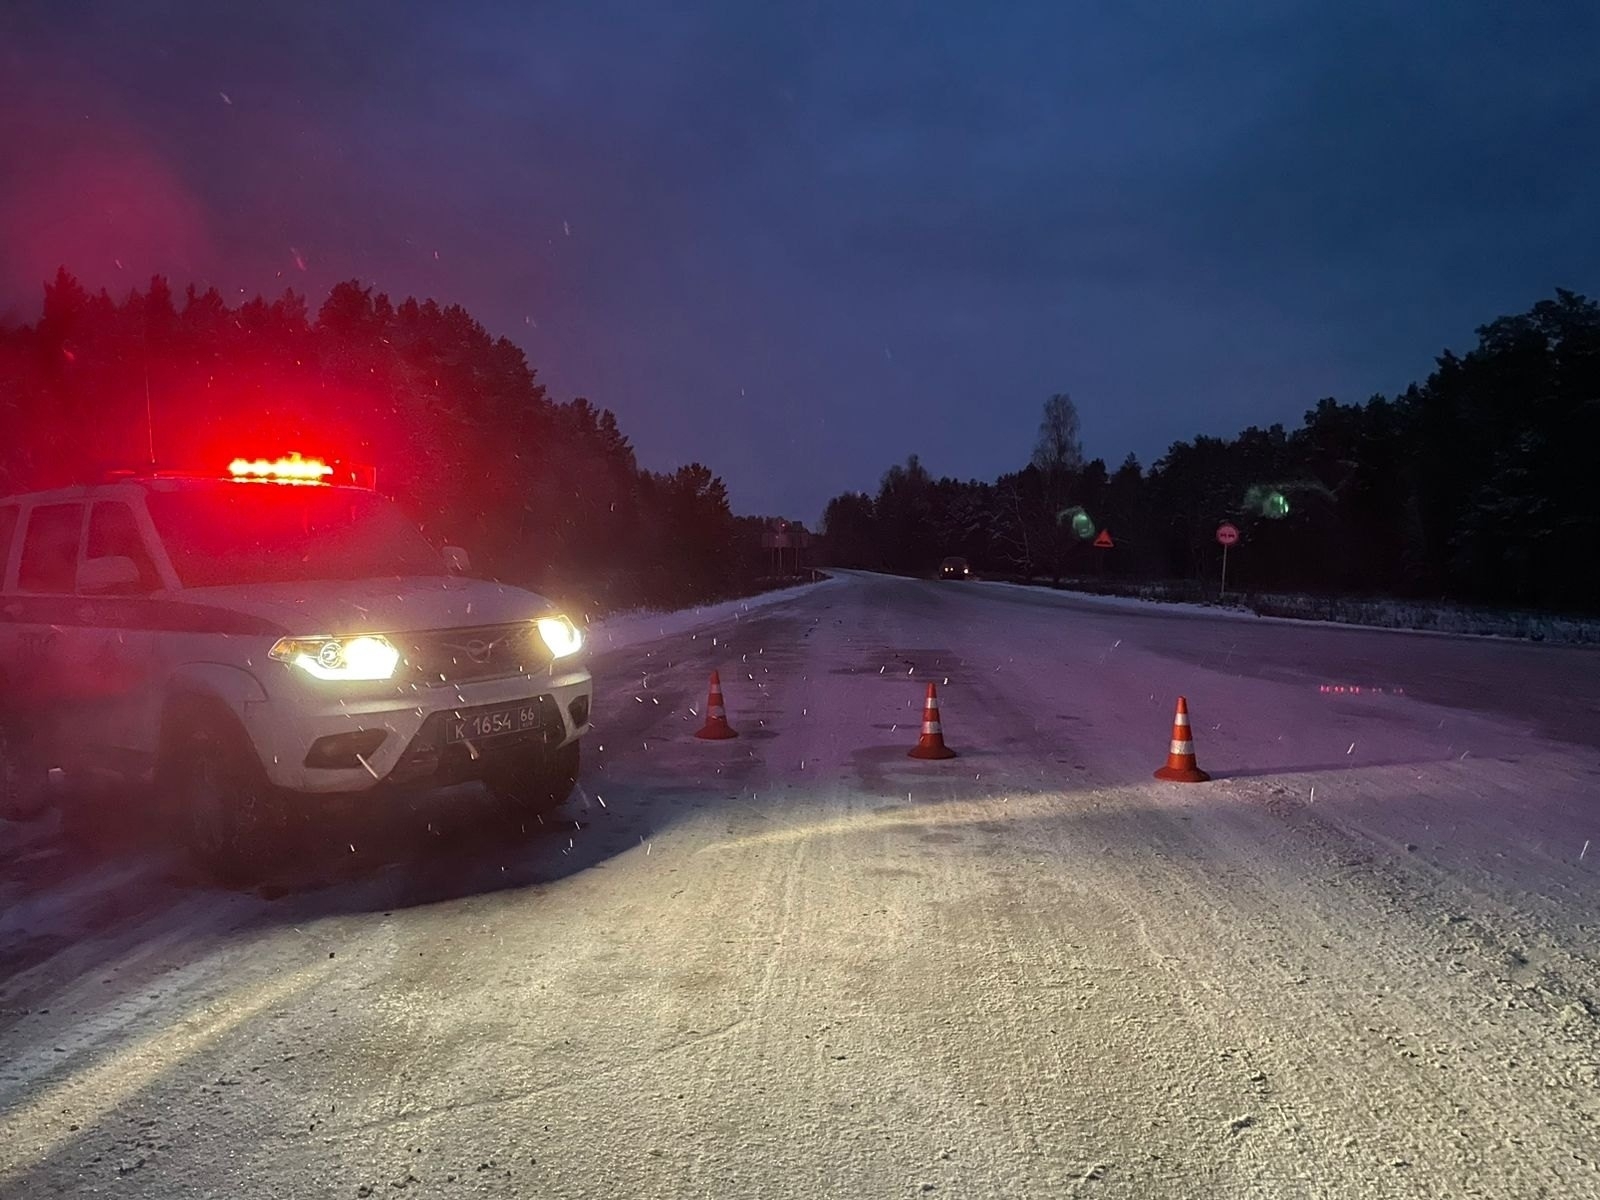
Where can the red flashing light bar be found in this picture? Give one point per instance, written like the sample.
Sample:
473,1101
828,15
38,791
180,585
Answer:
293,468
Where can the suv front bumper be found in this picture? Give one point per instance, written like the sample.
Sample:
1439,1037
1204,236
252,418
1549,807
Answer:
415,750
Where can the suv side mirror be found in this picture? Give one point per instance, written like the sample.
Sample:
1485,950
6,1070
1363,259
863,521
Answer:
456,560
113,575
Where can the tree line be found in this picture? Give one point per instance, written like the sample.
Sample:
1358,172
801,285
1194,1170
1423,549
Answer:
1472,486
460,431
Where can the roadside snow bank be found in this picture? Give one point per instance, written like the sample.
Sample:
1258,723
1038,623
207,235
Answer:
1435,618
1402,616
629,629
1129,603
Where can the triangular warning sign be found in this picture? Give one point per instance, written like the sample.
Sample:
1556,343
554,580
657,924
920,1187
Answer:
1103,539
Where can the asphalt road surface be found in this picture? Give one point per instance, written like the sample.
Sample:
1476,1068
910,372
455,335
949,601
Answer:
1361,962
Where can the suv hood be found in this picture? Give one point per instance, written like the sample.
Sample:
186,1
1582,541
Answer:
375,605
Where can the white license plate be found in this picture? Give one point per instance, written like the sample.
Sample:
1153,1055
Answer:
519,718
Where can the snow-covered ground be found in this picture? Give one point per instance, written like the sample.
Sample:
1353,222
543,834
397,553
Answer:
1363,961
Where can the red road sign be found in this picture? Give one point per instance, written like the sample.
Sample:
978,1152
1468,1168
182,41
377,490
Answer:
1103,539
1227,534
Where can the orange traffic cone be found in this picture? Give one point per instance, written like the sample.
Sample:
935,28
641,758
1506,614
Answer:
931,744
1181,765
716,727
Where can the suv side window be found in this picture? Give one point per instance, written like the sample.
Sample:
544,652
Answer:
114,533
50,549
8,529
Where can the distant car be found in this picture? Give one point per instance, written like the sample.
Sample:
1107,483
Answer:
955,568
245,645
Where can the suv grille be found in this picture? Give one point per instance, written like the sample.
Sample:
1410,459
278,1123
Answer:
485,652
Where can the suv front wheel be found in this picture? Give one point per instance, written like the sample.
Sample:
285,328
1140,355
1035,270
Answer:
230,814
531,783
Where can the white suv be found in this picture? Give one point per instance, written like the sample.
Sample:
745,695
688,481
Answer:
243,644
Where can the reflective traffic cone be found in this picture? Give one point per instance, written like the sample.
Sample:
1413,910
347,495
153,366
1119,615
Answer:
1181,766
931,744
716,727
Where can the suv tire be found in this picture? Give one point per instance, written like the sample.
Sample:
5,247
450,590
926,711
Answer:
532,783
232,818
24,781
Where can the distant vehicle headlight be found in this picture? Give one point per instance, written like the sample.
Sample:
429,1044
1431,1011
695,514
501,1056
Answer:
366,656
561,635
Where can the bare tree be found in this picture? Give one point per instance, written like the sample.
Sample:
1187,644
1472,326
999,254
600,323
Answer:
1059,450
1058,458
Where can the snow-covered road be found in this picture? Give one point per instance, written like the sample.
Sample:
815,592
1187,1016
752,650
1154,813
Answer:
1364,961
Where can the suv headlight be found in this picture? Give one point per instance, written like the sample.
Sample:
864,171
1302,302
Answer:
365,656
561,635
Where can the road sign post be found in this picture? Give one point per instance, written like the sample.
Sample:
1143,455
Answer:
780,536
1102,541
1227,535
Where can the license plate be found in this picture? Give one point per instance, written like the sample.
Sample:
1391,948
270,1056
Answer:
519,718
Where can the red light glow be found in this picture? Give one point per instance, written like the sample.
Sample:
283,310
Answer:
293,469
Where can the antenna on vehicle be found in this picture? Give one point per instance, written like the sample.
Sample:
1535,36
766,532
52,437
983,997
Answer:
149,418
149,411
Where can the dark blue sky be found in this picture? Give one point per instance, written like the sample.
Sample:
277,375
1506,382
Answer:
799,241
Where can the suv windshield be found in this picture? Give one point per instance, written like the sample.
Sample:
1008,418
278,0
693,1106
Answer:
244,533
